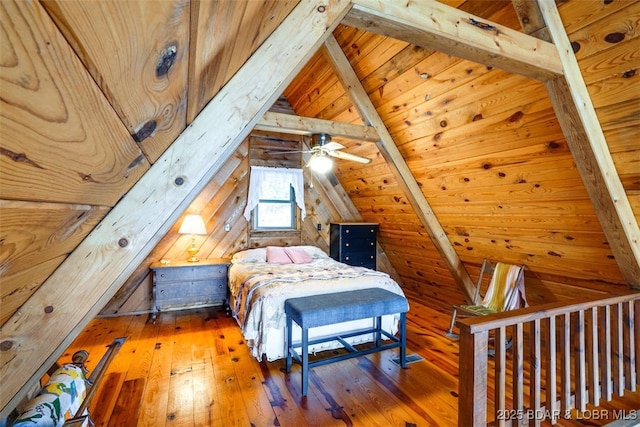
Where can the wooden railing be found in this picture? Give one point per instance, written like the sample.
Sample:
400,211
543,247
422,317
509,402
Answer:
556,357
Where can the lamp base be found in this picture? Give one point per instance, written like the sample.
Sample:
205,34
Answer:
193,251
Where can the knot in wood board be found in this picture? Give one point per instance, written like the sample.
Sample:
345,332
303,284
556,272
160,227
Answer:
166,61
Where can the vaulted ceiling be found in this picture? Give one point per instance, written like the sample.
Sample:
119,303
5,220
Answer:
494,135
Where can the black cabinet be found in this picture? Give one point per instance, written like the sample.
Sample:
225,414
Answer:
354,243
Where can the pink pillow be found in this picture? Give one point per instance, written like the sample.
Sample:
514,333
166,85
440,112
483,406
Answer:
276,255
298,255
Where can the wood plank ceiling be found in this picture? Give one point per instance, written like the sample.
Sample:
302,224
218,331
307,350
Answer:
98,162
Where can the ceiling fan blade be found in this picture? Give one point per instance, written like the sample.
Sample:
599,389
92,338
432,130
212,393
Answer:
348,156
333,146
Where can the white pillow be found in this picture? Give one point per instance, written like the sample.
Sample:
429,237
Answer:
250,255
314,252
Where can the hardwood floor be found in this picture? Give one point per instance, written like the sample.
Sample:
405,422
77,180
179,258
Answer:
193,368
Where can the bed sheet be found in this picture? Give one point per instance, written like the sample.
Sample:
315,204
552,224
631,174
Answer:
259,289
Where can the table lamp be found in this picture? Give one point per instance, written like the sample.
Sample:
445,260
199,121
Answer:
193,225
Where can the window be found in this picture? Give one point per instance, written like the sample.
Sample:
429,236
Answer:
273,196
276,208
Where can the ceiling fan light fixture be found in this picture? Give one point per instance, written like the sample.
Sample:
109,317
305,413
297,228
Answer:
320,163
320,139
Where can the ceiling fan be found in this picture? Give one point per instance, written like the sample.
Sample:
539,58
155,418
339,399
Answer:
322,149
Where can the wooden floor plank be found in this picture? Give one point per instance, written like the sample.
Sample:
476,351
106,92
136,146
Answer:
250,381
127,407
142,350
180,402
156,393
204,388
230,409
374,396
106,397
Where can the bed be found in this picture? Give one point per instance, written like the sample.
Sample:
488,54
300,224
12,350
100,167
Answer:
261,279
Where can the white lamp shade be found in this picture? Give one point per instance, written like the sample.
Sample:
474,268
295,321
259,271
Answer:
192,224
320,163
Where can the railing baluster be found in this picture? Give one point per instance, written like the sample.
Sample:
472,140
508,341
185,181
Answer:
565,368
518,371
579,363
618,365
629,348
500,374
592,357
605,352
551,369
636,334
534,357
472,401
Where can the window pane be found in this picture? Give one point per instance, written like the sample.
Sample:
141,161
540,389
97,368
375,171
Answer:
276,191
274,215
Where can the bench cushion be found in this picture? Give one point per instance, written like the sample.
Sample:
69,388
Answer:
327,309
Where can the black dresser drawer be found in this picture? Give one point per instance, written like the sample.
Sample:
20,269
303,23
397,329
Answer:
358,231
354,243
361,259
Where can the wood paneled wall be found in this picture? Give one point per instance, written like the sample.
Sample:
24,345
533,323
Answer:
487,150
92,94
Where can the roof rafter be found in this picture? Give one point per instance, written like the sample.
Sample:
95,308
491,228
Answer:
297,125
436,26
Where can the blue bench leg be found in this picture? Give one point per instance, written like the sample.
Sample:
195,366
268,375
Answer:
378,329
305,360
403,340
289,342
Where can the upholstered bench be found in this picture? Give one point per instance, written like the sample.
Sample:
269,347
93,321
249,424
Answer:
328,309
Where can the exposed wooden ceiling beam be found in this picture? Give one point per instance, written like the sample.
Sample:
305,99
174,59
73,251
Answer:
398,166
436,26
64,304
289,123
581,127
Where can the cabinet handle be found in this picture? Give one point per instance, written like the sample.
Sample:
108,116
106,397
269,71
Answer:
346,231
346,244
162,291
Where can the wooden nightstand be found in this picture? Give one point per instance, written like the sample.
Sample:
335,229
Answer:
180,284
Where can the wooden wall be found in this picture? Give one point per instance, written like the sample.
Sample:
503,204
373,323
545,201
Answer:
92,94
488,153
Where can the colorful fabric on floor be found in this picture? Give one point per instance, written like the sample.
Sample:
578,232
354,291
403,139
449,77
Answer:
59,399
